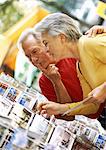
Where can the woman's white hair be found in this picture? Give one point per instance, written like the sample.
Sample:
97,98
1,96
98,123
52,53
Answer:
57,23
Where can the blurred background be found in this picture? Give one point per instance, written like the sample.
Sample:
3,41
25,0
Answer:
17,15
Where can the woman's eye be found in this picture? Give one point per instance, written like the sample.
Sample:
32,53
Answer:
45,43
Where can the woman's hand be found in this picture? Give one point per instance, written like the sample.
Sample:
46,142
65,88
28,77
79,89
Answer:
99,94
52,108
95,30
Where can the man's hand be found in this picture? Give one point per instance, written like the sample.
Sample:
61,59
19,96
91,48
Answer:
45,62
95,30
99,94
52,108
52,73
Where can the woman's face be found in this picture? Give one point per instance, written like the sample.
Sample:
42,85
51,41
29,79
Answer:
53,44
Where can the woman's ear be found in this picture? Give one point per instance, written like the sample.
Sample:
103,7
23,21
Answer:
62,37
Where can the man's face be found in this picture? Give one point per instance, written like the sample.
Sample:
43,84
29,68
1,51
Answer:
30,46
53,45
37,52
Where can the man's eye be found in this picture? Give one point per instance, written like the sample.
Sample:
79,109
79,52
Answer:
35,51
27,56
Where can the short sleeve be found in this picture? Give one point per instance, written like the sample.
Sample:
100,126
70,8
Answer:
47,88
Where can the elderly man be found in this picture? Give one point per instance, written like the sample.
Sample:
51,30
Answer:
54,84
62,39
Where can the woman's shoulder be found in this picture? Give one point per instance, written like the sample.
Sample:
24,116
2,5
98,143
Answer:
92,42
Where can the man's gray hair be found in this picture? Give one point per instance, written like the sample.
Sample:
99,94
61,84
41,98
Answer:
57,23
24,35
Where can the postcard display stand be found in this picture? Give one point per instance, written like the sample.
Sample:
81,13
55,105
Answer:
21,128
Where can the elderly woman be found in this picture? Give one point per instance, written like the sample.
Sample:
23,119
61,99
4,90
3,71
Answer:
90,53
63,39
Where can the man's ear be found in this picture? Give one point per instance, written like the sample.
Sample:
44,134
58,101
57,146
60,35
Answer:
62,37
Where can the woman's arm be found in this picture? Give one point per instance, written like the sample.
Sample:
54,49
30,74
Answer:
98,94
52,108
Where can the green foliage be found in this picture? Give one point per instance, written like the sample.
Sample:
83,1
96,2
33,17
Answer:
9,15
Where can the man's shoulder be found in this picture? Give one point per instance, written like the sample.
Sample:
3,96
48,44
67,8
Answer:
43,78
44,81
66,62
